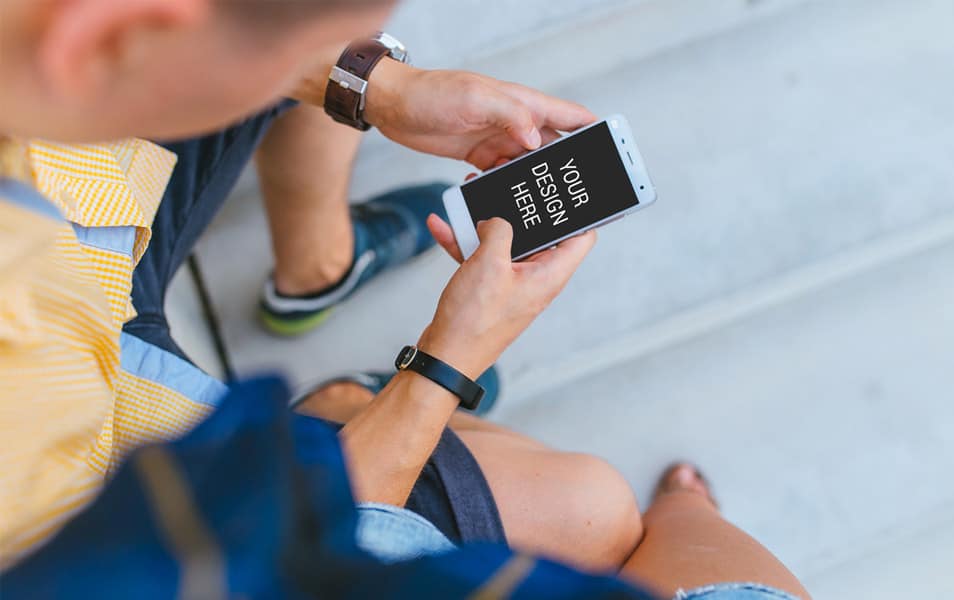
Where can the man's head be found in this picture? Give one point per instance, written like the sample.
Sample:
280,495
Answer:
92,70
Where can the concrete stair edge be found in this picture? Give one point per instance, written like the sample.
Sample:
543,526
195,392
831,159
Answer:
524,387
650,27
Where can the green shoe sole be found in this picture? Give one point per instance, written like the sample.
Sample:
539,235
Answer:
293,327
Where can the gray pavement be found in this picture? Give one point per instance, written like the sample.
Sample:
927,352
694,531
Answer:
783,314
825,422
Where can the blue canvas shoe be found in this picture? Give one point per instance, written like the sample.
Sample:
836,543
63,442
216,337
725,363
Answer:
389,230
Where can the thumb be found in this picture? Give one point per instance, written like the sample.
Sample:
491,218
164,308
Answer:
515,118
496,238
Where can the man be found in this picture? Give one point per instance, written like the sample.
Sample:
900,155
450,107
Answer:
93,70
78,397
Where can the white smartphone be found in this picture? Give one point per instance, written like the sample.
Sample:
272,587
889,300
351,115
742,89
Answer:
583,180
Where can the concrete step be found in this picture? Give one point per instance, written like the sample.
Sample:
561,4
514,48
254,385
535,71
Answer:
825,424
904,562
775,147
550,44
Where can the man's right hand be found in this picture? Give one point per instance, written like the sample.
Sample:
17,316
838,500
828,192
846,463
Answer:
487,303
490,300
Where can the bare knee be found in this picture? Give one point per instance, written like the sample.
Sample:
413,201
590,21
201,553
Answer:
602,515
573,508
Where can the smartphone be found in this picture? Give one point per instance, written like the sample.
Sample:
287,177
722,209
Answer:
583,180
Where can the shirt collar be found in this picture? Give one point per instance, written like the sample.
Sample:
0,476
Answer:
14,163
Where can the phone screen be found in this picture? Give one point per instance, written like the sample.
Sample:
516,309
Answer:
566,186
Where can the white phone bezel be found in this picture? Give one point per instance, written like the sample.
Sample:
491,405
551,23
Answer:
463,224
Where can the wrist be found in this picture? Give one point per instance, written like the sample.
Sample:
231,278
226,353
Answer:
463,357
310,88
385,91
421,394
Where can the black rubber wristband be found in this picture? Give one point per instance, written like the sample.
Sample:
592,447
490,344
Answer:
469,392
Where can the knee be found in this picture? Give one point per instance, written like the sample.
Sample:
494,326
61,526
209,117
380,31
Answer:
602,512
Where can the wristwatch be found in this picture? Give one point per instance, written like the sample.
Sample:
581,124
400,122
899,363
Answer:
412,358
348,81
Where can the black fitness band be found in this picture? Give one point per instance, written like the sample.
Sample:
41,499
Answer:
469,392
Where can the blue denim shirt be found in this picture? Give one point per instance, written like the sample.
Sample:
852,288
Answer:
255,502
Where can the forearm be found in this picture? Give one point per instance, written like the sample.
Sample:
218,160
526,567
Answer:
388,443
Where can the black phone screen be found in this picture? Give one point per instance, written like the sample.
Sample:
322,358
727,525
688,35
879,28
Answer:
566,186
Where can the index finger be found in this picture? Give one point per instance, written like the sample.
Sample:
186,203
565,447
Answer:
550,111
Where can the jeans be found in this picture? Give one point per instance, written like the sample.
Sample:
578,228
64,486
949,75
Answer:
205,173
394,534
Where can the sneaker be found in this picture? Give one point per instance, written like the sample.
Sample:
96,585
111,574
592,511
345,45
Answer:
389,230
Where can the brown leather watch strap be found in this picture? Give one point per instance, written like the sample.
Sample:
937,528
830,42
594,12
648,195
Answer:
344,101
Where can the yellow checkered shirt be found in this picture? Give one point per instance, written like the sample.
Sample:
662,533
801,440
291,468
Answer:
69,411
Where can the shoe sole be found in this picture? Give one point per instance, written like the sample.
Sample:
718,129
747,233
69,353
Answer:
297,327
293,327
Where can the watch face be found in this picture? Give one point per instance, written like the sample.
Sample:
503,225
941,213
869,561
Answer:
405,357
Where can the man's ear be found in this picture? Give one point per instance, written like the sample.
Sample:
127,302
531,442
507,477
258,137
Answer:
81,42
